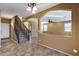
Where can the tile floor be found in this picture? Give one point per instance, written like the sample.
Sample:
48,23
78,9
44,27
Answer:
10,48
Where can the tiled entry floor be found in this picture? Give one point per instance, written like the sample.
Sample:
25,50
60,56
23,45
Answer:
10,48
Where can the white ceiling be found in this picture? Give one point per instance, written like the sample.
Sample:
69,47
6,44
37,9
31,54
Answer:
11,9
57,16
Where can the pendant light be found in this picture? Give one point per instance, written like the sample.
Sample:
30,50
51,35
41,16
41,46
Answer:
32,7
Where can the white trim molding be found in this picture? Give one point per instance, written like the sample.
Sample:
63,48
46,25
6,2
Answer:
55,49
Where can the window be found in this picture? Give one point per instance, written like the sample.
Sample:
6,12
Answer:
67,27
44,27
4,31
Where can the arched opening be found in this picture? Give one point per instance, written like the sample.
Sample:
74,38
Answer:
57,22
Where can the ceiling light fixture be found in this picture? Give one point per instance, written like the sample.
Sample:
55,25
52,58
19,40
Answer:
32,7
33,12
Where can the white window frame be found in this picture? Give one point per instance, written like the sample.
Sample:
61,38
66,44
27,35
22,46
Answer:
44,30
67,27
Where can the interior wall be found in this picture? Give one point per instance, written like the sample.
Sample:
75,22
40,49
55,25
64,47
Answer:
28,25
13,35
34,29
60,44
73,42
76,28
64,44
56,28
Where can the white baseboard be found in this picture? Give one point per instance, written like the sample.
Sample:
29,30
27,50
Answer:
55,49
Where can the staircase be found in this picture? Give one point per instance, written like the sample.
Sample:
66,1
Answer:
21,31
22,38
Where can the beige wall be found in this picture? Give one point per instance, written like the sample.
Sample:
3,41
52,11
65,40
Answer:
65,44
60,43
75,27
55,28
68,44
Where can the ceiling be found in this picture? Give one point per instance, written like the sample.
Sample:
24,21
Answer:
57,16
9,10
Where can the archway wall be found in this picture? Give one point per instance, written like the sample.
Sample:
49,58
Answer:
65,45
73,42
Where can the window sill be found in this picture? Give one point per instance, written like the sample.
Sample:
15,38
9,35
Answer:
67,36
